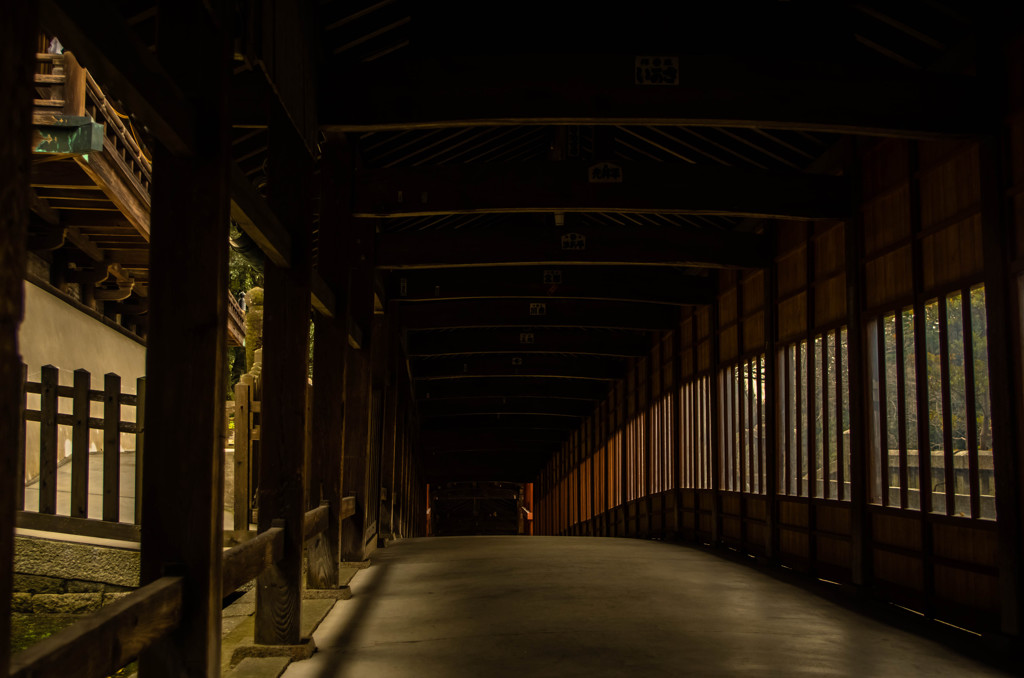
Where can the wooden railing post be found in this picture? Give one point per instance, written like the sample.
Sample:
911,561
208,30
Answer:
111,447
80,445
241,499
48,440
140,443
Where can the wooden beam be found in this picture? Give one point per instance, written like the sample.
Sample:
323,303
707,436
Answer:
575,367
505,405
182,532
623,283
491,439
109,638
103,170
530,314
542,340
483,387
584,244
602,89
322,296
544,421
246,561
105,44
257,220
661,188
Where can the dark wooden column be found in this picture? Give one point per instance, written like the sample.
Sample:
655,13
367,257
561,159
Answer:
183,484
358,392
17,54
393,393
716,430
329,342
860,546
286,314
771,401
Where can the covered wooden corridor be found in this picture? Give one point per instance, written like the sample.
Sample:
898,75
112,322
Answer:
744,275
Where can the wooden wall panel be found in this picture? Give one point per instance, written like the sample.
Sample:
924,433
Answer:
834,518
793,513
793,543
793,317
896,568
829,250
889,278
966,544
753,333
752,288
953,253
830,301
886,219
727,307
792,268
969,589
833,551
886,165
894,530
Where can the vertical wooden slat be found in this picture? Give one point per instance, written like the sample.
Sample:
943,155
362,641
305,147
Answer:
842,378
286,316
771,404
947,414
901,412
714,403
18,34
80,445
974,482
140,444
883,412
826,467
48,440
111,447
185,356
19,462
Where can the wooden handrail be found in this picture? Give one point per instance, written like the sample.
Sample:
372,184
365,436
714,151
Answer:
348,507
105,641
316,521
246,561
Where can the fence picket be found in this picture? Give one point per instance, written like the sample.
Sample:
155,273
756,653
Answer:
111,447
48,440
80,445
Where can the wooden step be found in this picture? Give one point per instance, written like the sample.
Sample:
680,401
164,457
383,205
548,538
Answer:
48,103
50,79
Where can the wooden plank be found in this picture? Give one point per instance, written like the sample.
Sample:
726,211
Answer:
185,355
286,314
18,37
111,448
576,389
514,243
104,170
576,367
246,561
472,341
22,399
48,440
531,314
121,61
348,507
588,89
84,527
322,298
568,186
106,640
80,445
241,498
635,283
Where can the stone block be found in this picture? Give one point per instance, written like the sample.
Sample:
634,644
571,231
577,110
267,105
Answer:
67,603
84,562
31,583
21,602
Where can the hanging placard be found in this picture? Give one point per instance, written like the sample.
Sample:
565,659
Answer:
574,241
656,70
604,173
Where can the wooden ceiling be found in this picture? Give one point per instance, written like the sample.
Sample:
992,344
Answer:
550,183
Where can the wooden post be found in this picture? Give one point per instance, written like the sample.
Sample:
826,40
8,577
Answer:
183,530
283,405
393,392
771,404
716,430
111,447
80,445
18,33
241,499
19,489
140,443
860,541
48,440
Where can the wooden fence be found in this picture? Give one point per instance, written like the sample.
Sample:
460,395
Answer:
80,421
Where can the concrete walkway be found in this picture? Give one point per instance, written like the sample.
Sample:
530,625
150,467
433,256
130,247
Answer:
483,607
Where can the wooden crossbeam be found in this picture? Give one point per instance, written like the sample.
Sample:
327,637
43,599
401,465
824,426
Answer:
527,313
711,90
255,217
598,187
542,340
541,421
589,244
491,439
483,387
635,283
458,407
575,367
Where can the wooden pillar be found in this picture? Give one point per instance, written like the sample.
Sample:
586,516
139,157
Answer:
860,544
183,530
329,341
393,393
286,313
771,401
358,395
17,54
716,430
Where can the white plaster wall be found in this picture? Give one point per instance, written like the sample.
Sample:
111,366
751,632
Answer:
56,333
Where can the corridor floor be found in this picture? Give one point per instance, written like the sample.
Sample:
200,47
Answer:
558,606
